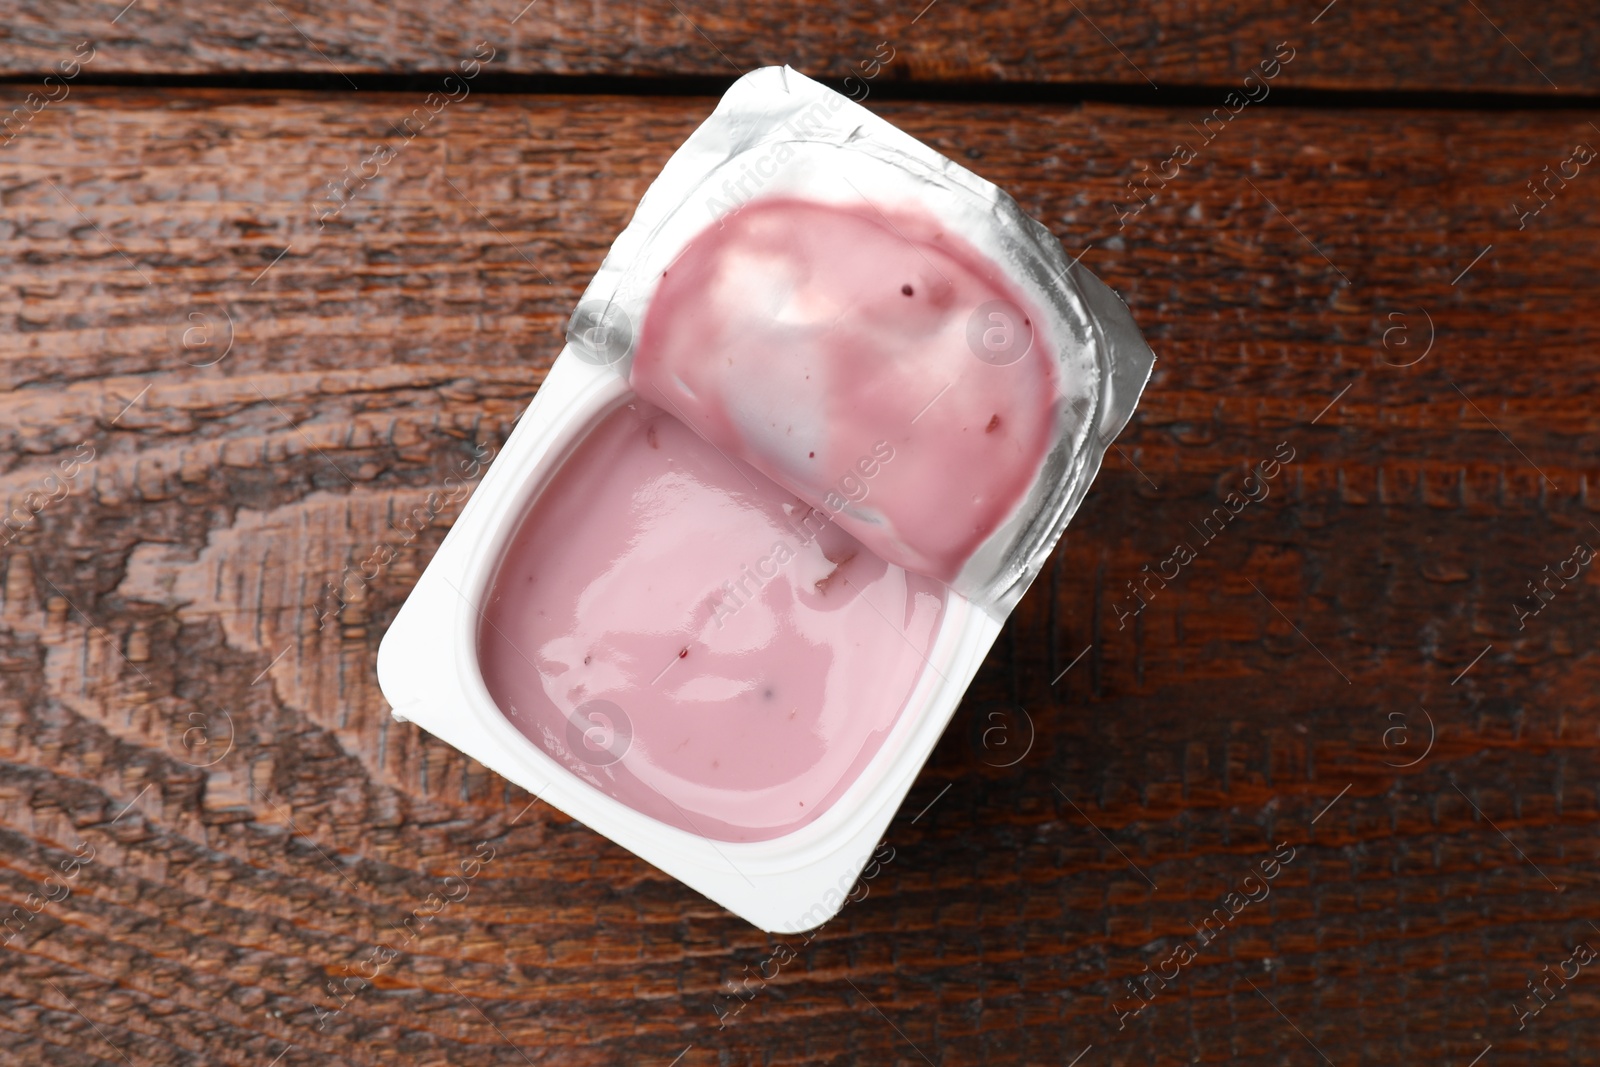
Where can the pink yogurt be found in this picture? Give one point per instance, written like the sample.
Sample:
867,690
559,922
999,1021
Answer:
796,336
693,639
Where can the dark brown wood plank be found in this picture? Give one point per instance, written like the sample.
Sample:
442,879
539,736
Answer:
1492,46
1255,701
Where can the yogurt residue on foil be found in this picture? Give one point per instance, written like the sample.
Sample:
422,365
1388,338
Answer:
795,336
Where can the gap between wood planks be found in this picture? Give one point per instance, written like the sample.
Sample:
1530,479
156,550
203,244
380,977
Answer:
1169,95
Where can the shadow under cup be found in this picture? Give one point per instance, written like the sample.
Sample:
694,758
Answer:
686,636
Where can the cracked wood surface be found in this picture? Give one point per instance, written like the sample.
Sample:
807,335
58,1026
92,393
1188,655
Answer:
248,403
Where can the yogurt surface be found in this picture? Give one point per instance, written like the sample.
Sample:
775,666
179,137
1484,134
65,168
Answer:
693,639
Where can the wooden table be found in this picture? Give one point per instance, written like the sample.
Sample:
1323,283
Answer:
216,401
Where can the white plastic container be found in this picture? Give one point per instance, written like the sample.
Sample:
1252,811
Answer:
427,665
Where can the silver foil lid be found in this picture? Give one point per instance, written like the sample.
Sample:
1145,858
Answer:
777,133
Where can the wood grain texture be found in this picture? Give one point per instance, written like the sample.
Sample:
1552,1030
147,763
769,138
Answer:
1491,45
259,825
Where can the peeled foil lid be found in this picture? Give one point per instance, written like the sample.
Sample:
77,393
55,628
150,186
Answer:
778,133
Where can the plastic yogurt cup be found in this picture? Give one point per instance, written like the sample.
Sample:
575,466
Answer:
823,413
